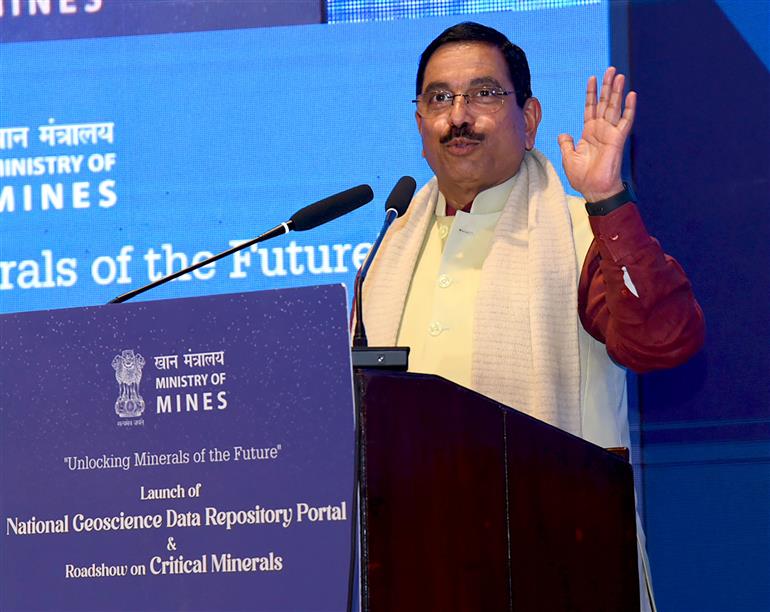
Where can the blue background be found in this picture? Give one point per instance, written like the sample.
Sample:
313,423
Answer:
222,135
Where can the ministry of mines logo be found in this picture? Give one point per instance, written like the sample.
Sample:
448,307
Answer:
128,372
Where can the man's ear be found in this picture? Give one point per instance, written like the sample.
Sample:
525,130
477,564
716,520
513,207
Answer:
418,118
532,114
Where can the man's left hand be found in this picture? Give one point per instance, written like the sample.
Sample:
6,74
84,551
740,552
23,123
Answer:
593,166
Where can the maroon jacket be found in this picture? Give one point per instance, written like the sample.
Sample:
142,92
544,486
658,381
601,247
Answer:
661,328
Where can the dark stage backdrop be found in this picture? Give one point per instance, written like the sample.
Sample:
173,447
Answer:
701,163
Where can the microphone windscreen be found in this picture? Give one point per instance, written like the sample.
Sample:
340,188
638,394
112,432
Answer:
330,208
401,195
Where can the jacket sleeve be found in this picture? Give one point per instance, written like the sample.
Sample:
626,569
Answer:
636,299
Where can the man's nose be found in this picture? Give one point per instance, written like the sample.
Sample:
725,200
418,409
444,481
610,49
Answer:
459,112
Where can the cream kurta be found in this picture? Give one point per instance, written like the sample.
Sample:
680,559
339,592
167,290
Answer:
438,316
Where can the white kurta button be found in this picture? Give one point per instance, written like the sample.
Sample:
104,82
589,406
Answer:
443,231
444,281
435,328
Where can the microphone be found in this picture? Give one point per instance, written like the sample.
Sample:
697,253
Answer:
395,206
306,218
401,196
330,208
363,356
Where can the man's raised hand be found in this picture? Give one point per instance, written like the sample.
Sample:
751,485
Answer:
593,165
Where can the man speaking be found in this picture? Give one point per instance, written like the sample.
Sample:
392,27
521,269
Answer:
500,281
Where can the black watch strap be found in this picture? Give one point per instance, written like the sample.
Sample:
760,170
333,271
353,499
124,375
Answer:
606,206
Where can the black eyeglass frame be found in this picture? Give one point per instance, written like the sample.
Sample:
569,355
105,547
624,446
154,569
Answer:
497,93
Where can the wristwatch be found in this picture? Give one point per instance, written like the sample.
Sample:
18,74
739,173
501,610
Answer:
607,205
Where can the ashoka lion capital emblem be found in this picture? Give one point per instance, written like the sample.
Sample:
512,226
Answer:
128,372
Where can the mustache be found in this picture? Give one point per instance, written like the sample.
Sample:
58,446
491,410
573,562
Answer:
463,131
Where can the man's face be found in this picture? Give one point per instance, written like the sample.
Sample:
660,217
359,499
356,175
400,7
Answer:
471,151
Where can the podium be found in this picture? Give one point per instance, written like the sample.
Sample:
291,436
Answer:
469,505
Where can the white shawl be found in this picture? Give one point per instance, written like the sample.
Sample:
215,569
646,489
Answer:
547,386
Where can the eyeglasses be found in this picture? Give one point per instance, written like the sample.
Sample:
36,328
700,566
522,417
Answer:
484,100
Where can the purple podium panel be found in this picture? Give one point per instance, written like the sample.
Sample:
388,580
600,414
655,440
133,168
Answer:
188,454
